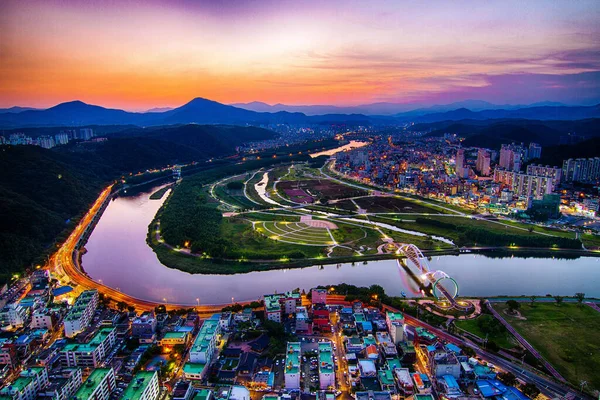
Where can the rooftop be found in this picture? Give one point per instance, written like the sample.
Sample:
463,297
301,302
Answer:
16,386
89,347
395,316
92,382
292,358
206,334
193,368
138,385
325,358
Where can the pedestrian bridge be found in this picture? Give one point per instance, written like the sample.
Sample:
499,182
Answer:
444,287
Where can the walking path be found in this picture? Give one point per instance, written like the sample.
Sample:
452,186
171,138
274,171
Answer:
525,343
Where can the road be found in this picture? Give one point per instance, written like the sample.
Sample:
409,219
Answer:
65,265
548,386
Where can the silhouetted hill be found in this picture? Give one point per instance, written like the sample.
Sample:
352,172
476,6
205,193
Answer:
492,133
537,113
554,155
41,189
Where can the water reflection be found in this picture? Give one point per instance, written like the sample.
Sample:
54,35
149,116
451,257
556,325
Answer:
119,256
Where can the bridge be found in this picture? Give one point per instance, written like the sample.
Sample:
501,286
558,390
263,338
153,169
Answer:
436,278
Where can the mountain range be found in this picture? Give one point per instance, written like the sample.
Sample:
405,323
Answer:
204,111
388,109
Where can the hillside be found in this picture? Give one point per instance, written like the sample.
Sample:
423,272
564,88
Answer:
493,133
42,192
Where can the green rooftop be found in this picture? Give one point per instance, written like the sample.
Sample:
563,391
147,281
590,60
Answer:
386,377
175,335
89,347
292,358
32,371
369,340
393,363
138,385
193,368
359,317
272,303
93,381
424,333
206,334
325,358
202,394
18,385
395,316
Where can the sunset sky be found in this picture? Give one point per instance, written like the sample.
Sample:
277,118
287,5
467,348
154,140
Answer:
142,54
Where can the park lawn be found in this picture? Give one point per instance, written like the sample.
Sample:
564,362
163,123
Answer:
590,241
568,336
504,339
536,228
234,197
159,193
395,204
244,242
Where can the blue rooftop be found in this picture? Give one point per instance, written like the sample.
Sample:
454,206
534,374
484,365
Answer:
367,325
491,388
454,348
450,381
59,291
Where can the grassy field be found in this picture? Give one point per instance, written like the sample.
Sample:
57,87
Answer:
159,193
502,339
395,204
568,336
590,242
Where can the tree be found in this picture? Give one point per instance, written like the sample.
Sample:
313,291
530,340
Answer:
559,299
532,300
492,346
513,306
530,390
580,297
508,378
130,308
160,309
121,306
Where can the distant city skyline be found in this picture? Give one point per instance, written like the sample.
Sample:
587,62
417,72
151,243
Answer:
138,55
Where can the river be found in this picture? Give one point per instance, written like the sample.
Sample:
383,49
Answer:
118,256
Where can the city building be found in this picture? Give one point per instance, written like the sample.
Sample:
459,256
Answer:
183,390
26,387
42,319
483,162
461,170
405,382
586,170
272,307
62,385
534,152
524,185
547,171
143,386
302,321
205,344
318,296
98,386
512,156
13,314
86,133
91,354
175,338
326,368
292,366
203,349
80,315
144,325
395,324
